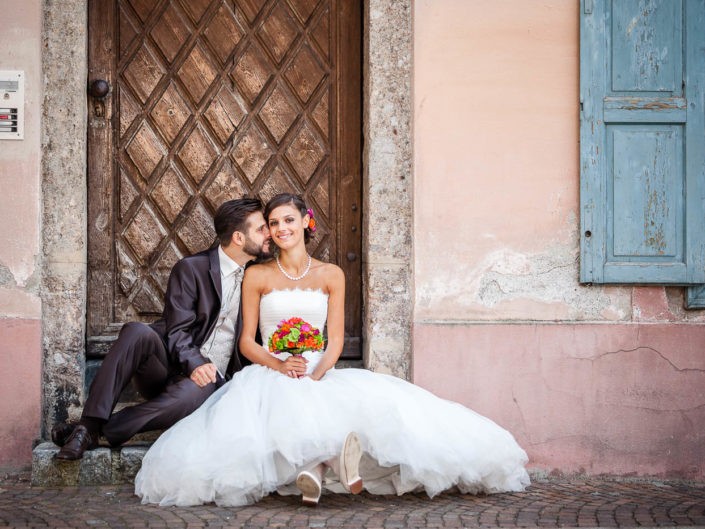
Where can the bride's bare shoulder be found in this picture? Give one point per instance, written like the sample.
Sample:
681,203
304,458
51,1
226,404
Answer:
259,272
332,272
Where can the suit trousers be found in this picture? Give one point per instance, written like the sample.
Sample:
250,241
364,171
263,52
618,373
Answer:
139,352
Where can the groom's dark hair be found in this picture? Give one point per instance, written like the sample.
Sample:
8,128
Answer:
232,215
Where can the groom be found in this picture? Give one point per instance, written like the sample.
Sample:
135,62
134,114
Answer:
180,360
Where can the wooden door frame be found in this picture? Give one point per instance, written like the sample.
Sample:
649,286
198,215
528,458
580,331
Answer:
387,198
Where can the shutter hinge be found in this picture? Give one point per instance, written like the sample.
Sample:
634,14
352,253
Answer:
587,7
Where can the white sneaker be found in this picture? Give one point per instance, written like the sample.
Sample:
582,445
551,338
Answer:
350,464
310,486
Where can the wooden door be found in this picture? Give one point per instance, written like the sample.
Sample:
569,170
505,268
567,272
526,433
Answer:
210,100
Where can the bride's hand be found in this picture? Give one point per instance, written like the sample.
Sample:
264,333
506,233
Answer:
294,366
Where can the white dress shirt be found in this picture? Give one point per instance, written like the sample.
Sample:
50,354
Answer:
219,346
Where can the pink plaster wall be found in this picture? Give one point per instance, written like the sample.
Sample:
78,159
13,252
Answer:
496,174
583,398
591,379
20,390
20,203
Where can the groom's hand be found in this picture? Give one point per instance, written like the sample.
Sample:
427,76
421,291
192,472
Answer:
204,374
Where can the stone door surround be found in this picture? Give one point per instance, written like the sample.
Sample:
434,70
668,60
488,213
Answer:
387,190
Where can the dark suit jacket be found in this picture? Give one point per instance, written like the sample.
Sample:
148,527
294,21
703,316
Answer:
191,307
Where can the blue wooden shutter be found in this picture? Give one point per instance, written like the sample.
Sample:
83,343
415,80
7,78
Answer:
642,134
695,297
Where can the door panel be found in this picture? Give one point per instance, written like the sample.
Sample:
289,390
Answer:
210,100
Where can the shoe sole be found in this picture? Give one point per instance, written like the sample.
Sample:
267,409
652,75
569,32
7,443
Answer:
310,488
72,457
350,464
67,458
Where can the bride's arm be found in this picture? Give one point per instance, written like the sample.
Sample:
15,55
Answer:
251,293
336,322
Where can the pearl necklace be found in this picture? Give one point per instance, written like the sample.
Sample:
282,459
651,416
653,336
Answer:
281,268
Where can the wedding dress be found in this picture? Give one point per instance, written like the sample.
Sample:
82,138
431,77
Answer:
259,430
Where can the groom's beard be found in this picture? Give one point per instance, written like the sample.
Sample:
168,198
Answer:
261,252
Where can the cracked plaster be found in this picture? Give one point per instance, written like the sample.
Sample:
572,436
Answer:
509,285
6,277
584,398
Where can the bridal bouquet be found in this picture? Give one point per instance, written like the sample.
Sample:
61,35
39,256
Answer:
295,336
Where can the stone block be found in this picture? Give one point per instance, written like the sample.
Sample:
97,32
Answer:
102,466
95,468
127,462
47,471
388,320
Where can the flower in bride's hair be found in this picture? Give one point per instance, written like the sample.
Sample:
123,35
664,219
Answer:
311,220
295,336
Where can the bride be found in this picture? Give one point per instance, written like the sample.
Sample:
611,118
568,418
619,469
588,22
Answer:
276,424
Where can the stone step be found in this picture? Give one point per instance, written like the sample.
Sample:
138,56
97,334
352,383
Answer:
101,466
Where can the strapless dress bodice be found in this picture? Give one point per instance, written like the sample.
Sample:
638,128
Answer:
280,305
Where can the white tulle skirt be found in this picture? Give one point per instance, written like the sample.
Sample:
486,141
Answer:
256,433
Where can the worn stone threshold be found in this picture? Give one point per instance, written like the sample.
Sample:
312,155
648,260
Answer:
101,466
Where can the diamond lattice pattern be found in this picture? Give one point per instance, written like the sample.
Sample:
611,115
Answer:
215,99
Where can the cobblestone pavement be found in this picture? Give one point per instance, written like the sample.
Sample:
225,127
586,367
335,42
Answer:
547,503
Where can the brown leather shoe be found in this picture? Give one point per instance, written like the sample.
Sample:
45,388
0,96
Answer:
61,432
78,442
